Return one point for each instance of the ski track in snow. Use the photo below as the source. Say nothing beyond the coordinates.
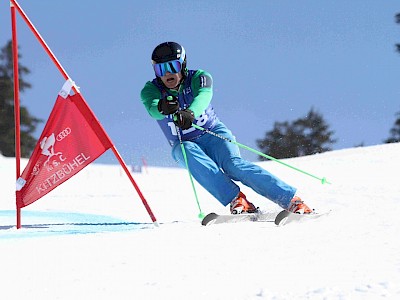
(91, 238)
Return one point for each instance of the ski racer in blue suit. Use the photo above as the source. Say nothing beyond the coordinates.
(177, 98)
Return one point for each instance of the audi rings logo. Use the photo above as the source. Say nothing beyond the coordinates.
(63, 134)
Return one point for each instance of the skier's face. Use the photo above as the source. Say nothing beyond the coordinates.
(171, 81)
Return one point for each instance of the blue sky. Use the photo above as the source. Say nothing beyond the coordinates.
(271, 61)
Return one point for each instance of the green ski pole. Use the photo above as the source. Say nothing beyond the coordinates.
(201, 214)
(323, 180)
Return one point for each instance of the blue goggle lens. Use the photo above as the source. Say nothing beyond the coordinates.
(173, 67)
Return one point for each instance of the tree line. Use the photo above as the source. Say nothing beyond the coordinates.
(7, 124)
(308, 135)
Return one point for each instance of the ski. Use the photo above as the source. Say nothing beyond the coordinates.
(213, 218)
(282, 218)
(285, 217)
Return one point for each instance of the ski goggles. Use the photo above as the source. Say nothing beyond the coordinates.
(173, 67)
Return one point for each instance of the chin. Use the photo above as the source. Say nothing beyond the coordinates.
(171, 85)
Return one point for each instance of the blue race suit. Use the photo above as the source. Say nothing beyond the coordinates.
(214, 162)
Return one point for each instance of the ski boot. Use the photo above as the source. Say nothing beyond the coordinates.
(241, 205)
(298, 206)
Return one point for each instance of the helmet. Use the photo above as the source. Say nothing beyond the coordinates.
(169, 51)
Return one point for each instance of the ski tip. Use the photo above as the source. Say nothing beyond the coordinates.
(207, 220)
(281, 218)
(287, 217)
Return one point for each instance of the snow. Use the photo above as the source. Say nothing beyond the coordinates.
(91, 238)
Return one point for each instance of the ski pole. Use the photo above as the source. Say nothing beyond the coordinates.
(323, 180)
(201, 214)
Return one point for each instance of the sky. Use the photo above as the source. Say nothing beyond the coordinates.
(271, 61)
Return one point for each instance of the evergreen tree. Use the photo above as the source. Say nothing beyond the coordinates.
(7, 124)
(398, 22)
(395, 131)
(305, 136)
(281, 142)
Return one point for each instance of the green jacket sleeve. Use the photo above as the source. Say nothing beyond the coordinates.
(150, 96)
(202, 92)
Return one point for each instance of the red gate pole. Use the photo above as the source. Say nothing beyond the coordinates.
(41, 41)
(16, 108)
(66, 77)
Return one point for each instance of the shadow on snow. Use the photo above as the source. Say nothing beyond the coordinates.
(61, 223)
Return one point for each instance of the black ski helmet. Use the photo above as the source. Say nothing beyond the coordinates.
(169, 51)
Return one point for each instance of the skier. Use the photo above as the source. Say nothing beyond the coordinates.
(177, 98)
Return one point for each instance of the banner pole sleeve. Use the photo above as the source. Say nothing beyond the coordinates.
(17, 117)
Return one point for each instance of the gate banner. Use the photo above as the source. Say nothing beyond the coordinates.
(71, 140)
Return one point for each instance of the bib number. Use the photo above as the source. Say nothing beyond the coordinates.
(199, 121)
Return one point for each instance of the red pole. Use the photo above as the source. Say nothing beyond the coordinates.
(122, 163)
(66, 77)
(41, 41)
(16, 107)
